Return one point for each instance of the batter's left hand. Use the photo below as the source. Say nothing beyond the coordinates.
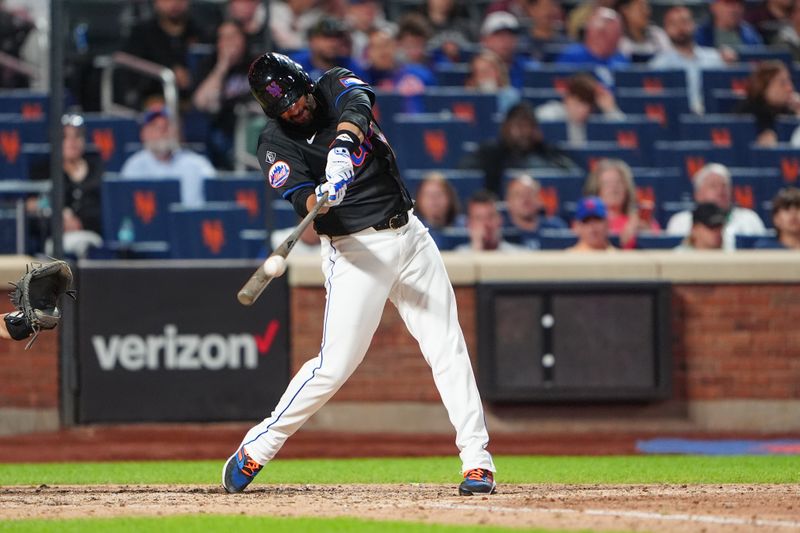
(340, 166)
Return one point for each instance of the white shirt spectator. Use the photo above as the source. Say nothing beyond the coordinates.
(189, 167)
(741, 221)
(657, 41)
(704, 57)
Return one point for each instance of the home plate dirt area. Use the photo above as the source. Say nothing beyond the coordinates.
(658, 508)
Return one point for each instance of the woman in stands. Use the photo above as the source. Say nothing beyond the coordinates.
(770, 94)
(488, 74)
(612, 181)
(640, 38)
(437, 206)
(83, 175)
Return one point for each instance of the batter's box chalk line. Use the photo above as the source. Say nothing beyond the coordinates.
(705, 519)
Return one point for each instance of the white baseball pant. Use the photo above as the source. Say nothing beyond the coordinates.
(362, 270)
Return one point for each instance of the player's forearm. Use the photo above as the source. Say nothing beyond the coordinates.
(352, 128)
(311, 201)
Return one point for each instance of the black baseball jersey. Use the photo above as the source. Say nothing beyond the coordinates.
(293, 158)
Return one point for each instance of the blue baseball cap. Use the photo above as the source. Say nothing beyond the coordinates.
(590, 207)
(153, 114)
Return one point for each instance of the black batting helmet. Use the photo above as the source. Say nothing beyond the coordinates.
(277, 82)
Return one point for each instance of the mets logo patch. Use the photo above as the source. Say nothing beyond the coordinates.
(349, 82)
(278, 174)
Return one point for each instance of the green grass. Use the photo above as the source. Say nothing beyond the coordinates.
(511, 469)
(226, 524)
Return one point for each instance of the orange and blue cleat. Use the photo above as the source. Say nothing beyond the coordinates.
(477, 481)
(239, 471)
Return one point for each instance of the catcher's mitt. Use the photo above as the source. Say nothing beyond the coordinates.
(36, 296)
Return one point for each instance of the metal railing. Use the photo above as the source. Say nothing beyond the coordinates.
(118, 60)
(17, 65)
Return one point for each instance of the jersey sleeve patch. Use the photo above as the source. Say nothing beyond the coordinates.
(278, 174)
(351, 82)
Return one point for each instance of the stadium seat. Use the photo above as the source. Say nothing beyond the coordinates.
(554, 131)
(431, 140)
(657, 242)
(747, 242)
(652, 81)
(109, 136)
(754, 189)
(537, 97)
(451, 74)
(212, 231)
(587, 155)
(690, 156)
(30, 105)
(247, 190)
(550, 76)
(637, 132)
(282, 214)
(737, 132)
(447, 239)
(756, 54)
(256, 243)
(785, 128)
(479, 109)
(725, 100)
(784, 158)
(661, 192)
(560, 194)
(733, 77)
(143, 202)
(664, 107)
(557, 239)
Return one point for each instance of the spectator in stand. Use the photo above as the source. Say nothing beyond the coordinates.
(726, 26)
(786, 219)
(437, 206)
(712, 183)
(499, 35)
(363, 18)
(515, 7)
(583, 97)
(686, 54)
(224, 85)
(162, 157)
(413, 35)
(770, 94)
(640, 36)
(386, 72)
(579, 16)
(164, 39)
(289, 22)
(328, 47)
(251, 16)
(83, 176)
(453, 31)
(485, 226)
(789, 34)
(436, 203)
(591, 226)
(488, 74)
(600, 46)
(612, 181)
(526, 212)
(706, 232)
(769, 17)
(546, 28)
(520, 144)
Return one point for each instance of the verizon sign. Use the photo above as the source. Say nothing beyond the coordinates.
(181, 348)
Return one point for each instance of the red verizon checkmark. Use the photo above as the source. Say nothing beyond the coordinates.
(264, 342)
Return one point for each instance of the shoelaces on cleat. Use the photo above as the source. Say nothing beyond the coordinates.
(476, 474)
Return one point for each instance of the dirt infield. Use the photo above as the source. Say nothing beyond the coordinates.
(658, 508)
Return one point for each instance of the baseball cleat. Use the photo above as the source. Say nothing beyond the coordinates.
(477, 481)
(239, 471)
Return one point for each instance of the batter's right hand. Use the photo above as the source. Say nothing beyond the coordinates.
(334, 190)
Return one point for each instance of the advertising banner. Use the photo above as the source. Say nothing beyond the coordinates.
(168, 341)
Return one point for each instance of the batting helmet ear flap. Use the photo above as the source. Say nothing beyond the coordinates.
(276, 82)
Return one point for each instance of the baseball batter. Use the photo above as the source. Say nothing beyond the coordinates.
(321, 140)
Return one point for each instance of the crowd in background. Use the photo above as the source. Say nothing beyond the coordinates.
(506, 38)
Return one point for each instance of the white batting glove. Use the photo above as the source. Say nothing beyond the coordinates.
(334, 190)
(339, 165)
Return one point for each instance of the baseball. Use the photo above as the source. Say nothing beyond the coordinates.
(274, 266)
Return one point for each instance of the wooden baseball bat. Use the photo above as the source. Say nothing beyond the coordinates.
(251, 290)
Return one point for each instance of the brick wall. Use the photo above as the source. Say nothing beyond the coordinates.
(28, 379)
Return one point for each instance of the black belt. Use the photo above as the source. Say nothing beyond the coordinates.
(393, 222)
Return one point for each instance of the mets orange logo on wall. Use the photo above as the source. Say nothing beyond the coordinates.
(435, 144)
(103, 138)
(10, 145)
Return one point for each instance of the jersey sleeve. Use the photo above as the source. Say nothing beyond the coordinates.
(284, 168)
(350, 96)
